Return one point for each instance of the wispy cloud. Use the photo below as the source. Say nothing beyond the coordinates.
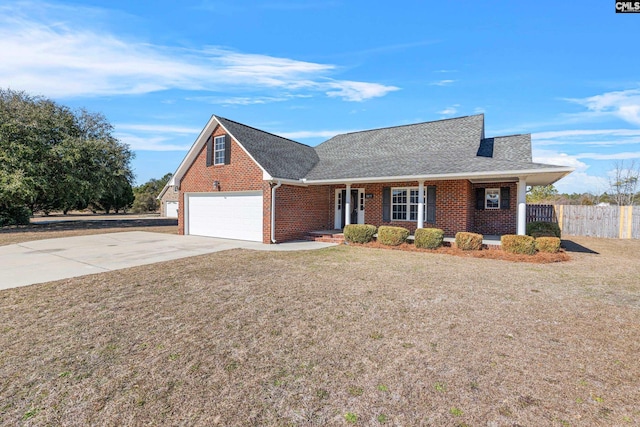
(624, 104)
(150, 143)
(449, 111)
(610, 156)
(180, 130)
(58, 55)
(579, 181)
(446, 82)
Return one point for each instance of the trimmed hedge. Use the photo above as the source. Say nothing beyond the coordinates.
(469, 241)
(518, 244)
(359, 233)
(392, 236)
(543, 229)
(428, 238)
(548, 244)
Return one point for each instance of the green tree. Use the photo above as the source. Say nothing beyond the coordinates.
(540, 194)
(52, 158)
(147, 193)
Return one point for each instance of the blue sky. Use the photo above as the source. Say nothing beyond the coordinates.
(567, 72)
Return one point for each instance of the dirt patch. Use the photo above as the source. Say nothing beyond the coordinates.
(341, 336)
(538, 258)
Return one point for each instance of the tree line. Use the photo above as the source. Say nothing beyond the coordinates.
(624, 182)
(53, 158)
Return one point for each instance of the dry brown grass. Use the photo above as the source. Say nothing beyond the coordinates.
(263, 338)
(83, 227)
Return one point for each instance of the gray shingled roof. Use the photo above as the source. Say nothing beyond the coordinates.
(451, 146)
(280, 157)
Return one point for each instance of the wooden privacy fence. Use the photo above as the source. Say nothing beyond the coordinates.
(622, 222)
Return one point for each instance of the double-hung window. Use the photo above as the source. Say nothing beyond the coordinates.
(492, 198)
(218, 150)
(404, 204)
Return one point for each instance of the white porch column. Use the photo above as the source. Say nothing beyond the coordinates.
(347, 206)
(420, 204)
(522, 206)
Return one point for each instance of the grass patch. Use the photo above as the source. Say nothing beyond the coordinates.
(190, 341)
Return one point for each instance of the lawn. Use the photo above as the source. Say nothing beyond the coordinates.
(340, 336)
(83, 227)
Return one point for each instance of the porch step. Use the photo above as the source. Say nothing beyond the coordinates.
(326, 236)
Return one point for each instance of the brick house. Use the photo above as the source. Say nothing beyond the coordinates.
(239, 182)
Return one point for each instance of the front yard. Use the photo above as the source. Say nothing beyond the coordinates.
(341, 336)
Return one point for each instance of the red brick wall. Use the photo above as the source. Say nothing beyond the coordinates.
(497, 221)
(241, 174)
(302, 209)
(453, 212)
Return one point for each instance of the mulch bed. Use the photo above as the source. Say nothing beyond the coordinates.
(539, 258)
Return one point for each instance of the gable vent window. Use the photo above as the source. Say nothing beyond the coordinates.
(219, 150)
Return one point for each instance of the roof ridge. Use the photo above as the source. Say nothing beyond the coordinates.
(507, 136)
(263, 131)
(409, 124)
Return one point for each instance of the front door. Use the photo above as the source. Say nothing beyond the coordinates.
(357, 207)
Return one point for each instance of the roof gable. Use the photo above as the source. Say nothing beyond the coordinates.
(280, 157)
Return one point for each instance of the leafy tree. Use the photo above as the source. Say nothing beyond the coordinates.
(540, 194)
(147, 193)
(52, 158)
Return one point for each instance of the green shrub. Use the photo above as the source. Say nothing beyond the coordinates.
(548, 244)
(429, 238)
(518, 244)
(468, 241)
(359, 233)
(14, 215)
(543, 229)
(392, 236)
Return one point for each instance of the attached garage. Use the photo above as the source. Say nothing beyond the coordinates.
(232, 215)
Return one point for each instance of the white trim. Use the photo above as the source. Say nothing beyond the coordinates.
(421, 213)
(496, 190)
(338, 205)
(508, 175)
(521, 219)
(200, 142)
(216, 150)
(424, 213)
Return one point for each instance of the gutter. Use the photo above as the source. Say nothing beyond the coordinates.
(273, 211)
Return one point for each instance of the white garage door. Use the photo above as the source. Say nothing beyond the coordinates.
(171, 209)
(225, 215)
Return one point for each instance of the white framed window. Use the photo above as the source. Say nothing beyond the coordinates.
(404, 204)
(492, 198)
(218, 150)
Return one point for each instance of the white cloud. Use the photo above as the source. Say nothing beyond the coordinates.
(611, 156)
(149, 143)
(624, 104)
(446, 82)
(357, 91)
(158, 128)
(585, 132)
(579, 181)
(449, 111)
(56, 53)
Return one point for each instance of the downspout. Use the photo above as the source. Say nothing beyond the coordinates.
(273, 211)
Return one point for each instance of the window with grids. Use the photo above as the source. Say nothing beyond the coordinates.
(218, 150)
(492, 198)
(404, 204)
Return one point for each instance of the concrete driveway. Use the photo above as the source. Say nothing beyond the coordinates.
(54, 259)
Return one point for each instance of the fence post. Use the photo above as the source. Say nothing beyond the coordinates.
(560, 213)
